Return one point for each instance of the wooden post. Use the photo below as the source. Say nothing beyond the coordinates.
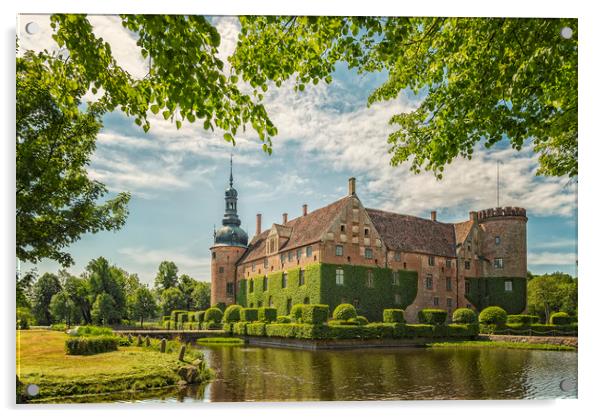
(163, 344)
(130, 339)
(139, 340)
(147, 341)
(182, 352)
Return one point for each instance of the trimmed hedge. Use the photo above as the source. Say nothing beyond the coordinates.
(362, 320)
(560, 318)
(92, 330)
(232, 313)
(533, 329)
(91, 345)
(522, 319)
(249, 314)
(240, 328)
(296, 312)
(283, 319)
(256, 329)
(464, 316)
(344, 312)
(493, 315)
(266, 314)
(393, 316)
(314, 314)
(213, 315)
(432, 316)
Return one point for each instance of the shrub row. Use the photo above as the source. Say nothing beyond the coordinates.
(533, 329)
(432, 316)
(91, 345)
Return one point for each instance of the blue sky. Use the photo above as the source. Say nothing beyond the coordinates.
(326, 134)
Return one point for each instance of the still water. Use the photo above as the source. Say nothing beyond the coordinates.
(277, 374)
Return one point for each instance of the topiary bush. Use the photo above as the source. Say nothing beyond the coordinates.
(393, 316)
(361, 320)
(493, 315)
(314, 314)
(92, 330)
(91, 345)
(522, 319)
(266, 314)
(432, 316)
(344, 312)
(560, 318)
(296, 312)
(464, 316)
(213, 315)
(282, 319)
(232, 313)
(249, 314)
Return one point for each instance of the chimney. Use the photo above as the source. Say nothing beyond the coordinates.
(472, 216)
(284, 218)
(305, 209)
(352, 186)
(433, 215)
(258, 225)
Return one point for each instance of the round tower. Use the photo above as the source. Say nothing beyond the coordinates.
(503, 242)
(229, 244)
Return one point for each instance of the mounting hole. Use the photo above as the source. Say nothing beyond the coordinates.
(568, 385)
(566, 32)
(33, 390)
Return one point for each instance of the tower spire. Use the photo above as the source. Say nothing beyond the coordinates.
(231, 178)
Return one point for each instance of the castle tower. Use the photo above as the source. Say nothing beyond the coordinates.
(229, 244)
(504, 242)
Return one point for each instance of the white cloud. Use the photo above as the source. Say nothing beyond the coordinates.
(551, 258)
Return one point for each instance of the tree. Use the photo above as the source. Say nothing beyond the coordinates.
(23, 288)
(552, 293)
(187, 285)
(43, 290)
(172, 299)
(201, 296)
(478, 79)
(103, 310)
(56, 201)
(64, 309)
(185, 79)
(78, 290)
(104, 278)
(167, 276)
(143, 304)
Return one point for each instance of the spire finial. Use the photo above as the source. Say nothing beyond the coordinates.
(231, 178)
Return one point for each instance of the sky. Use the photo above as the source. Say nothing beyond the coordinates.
(326, 135)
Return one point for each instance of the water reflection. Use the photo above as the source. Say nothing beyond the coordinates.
(274, 374)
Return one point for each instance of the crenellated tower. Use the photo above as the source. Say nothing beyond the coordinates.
(229, 244)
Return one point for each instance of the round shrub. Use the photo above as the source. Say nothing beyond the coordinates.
(432, 316)
(213, 315)
(393, 316)
(344, 312)
(493, 315)
(296, 312)
(560, 318)
(464, 316)
(232, 313)
(361, 320)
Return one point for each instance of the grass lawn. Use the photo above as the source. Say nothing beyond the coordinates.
(41, 360)
(501, 344)
(220, 341)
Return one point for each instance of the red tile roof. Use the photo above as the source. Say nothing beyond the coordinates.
(306, 230)
(412, 234)
(462, 229)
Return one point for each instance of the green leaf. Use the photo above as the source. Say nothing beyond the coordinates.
(228, 137)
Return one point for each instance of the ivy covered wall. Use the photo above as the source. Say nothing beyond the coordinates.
(320, 287)
(491, 291)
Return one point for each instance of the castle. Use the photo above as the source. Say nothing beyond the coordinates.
(346, 253)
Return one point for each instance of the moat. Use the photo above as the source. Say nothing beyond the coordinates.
(277, 374)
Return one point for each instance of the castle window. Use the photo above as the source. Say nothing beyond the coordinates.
(230, 288)
(306, 300)
(251, 285)
(497, 240)
(290, 256)
(449, 302)
(431, 260)
(448, 263)
(221, 269)
(338, 250)
(395, 278)
(467, 265)
(469, 246)
(265, 283)
(397, 256)
(213, 254)
(299, 252)
(370, 279)
(366, 232)
(404, 266)
(308, 251)
(466, 287)
(342, 228)
(498, 263)
(448, 283)
(301, 277)
(436, 301)
(429, 281)
(397, 298)
(340, 277)
(508, 285)
(368, 253)
(284, 279)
